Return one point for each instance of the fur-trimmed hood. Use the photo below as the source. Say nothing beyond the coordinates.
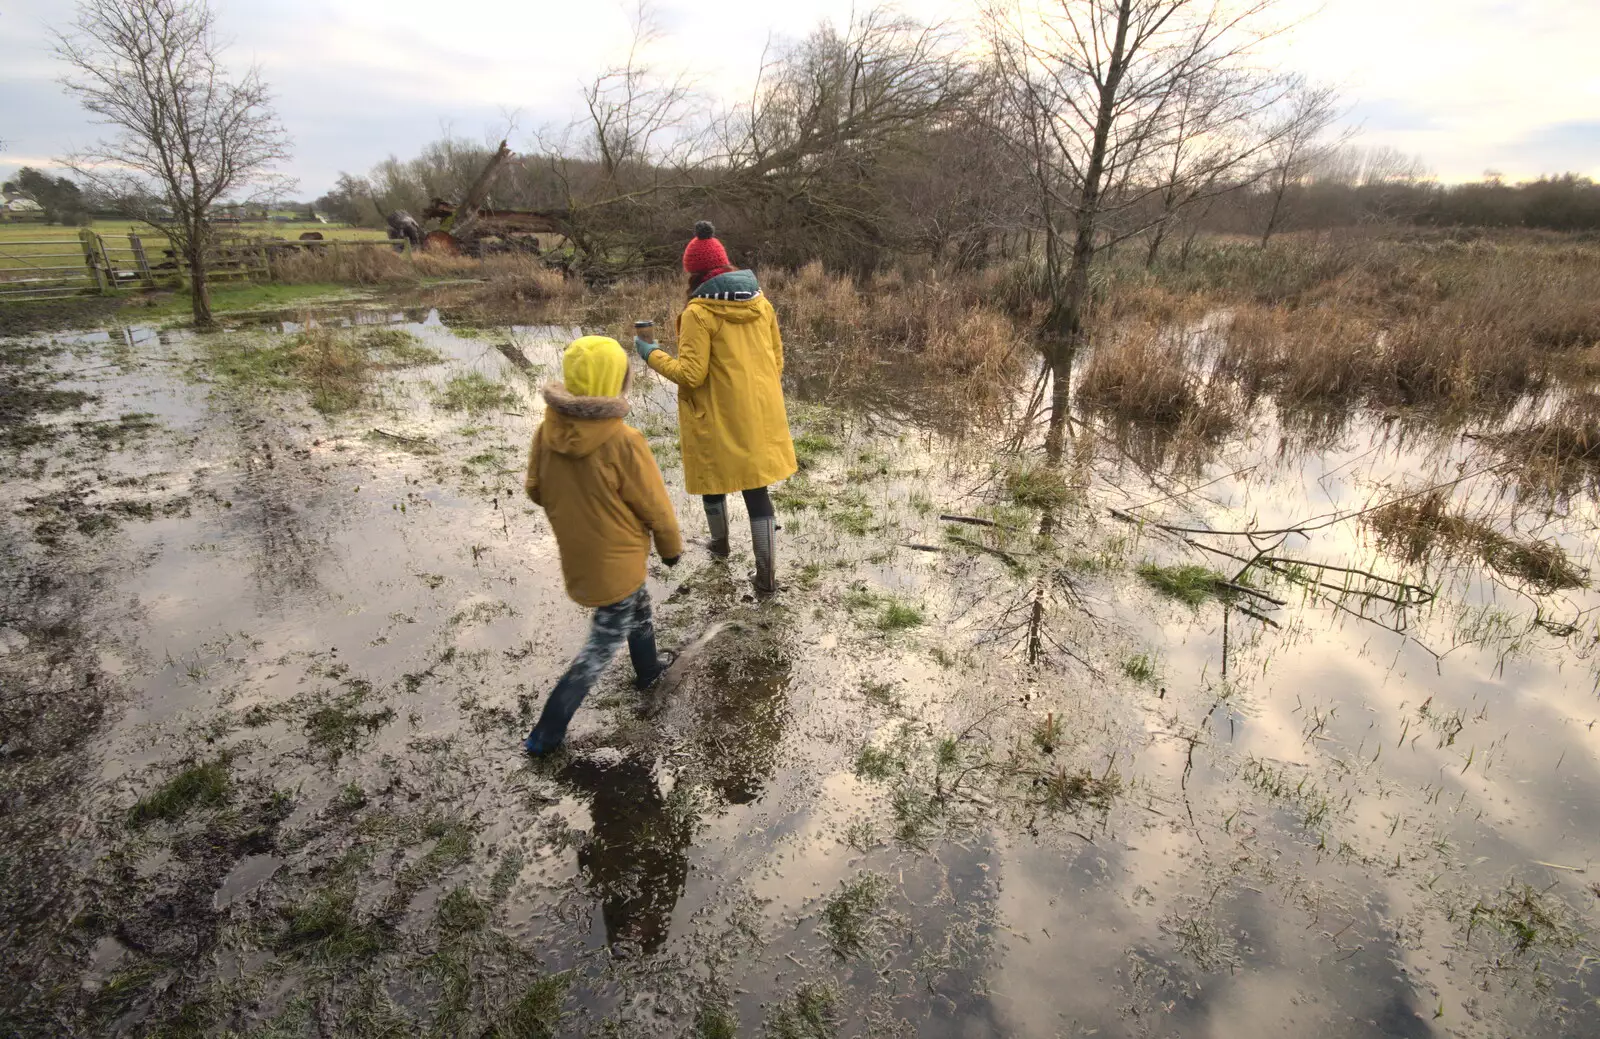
(575, 425)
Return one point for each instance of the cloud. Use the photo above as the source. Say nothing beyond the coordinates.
(1564, 147)
(1465, 83)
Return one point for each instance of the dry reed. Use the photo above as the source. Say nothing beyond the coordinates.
(1154, 375)
(1417, 527)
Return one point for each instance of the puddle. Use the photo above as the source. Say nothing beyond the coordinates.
(955, 781)
(248, 874)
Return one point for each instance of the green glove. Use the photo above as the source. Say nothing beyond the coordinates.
(645, 348)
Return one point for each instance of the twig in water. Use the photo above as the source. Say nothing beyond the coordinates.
(1253, 615)
(403, 439)
(1247, 590)
(976, 521)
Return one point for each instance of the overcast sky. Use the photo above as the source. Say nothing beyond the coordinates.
(1468, 85)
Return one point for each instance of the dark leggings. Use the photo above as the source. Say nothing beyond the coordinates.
(757, 502)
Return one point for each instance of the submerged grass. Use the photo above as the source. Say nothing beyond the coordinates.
(850, 916)
(1140, 667)
(810, 1012)
(204, 783)
(334, 366)
(337, 724)
(1190, 583)
(1416, 527)
(476, 394)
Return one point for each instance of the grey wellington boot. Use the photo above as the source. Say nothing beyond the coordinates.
(717, 521)
(762, 537)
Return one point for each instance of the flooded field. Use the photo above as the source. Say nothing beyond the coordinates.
(1284, 731)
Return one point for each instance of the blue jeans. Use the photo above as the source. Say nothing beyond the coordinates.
(626, 621)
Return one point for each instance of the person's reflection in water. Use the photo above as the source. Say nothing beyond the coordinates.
(635, 857)
(743, 706)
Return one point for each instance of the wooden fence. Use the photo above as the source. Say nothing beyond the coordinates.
(97, 263)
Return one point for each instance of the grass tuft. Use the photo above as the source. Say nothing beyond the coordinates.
(326, 925)
(716, 1021)
(476, 394)
(1071, 791)
(809, 1013)
(1191, 583)
(204, 783)
(1037, 487)
(460, 912)
(851, 915)
(536, 1014)
(898, 616)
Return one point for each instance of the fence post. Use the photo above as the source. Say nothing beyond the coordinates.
(137, 246)
(90, 242)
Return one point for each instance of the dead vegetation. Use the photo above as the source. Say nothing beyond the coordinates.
(1412, 323)
(1152, 374)
(369, 265)
(1559, 452)
(334, 365)
(1415, 528)
(1315, 324)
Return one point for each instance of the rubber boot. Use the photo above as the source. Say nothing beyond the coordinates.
(762, 537)
(717, 521)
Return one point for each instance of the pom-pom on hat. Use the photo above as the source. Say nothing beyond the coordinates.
(704, 254)
(594, 366)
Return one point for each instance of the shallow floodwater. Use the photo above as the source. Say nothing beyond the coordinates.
(957, 780)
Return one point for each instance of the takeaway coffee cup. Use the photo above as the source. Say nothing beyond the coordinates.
(645, 330)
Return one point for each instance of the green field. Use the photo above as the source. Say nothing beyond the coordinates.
(29, 248)
(34, 231)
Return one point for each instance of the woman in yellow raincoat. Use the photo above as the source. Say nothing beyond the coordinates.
(731, 419)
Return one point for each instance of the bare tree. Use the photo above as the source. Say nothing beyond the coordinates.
(1300, 141)
(1214, 139)
(826, 120)
(631, 108)
(187, 134)
(1096, 89)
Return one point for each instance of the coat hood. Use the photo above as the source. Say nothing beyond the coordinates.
(732, 297)
(575, 425)
(734, 285)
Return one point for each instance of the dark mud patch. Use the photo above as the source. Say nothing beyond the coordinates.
(83, 508)
(20, 319)
(28, 392)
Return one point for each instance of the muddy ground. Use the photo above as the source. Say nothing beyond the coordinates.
(266, 667)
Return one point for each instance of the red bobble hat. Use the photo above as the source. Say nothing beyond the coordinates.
(704, 254)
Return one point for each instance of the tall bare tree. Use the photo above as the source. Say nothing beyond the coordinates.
(1097, 89)
(187, 134)
(1301, 140)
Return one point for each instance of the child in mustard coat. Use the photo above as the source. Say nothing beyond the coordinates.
(602, 491)
(731, 418)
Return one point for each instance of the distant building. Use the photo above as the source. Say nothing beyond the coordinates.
(22, 205)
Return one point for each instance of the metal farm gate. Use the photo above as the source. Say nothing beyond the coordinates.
(97, 263)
